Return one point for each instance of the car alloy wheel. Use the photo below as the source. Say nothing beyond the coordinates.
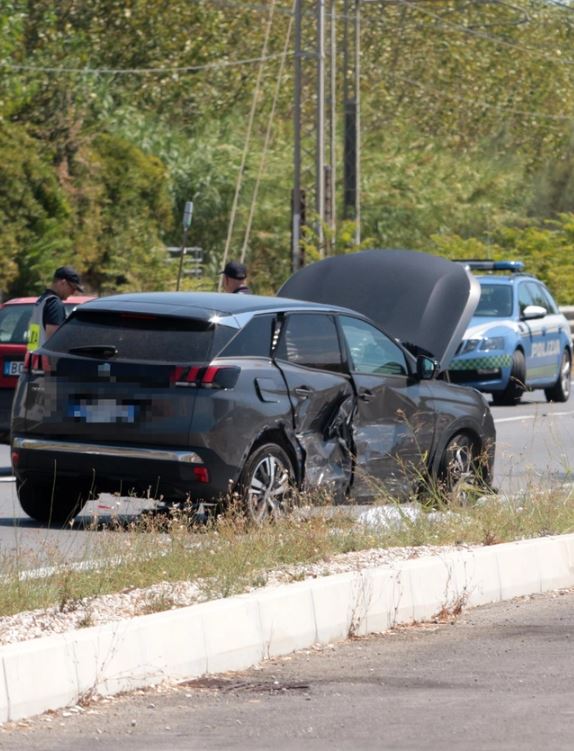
(560, 392)
(267, 482)
(516, 382)
(460, 476)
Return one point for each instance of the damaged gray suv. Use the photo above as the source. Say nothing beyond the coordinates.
(195, 396)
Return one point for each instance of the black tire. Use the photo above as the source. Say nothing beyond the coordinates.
(266, 483)
(55, 505)
(460, 475)
(516, 383)
(560, 392)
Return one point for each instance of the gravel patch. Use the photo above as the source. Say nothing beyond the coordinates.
(104, 609)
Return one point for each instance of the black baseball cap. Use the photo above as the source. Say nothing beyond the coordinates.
(234, 270)
(70, 275)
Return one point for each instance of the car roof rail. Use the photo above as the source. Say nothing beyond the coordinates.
(486, 265)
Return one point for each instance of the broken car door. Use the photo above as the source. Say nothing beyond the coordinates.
(308, 354)
(392, 429)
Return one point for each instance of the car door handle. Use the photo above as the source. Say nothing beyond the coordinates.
(366, 395)
(303, 391)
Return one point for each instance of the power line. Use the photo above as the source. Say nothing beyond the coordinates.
(258, 7)
(254, 102)
(279, 9)
(562, 6)
(9, 67)
(267, 138)
(487, 105)
(446, 25)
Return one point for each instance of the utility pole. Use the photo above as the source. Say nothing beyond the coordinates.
(357, 122)
(331, 169)
(308, 124)
(315, 163)
(320, 148)
(296, 225)
(352, 124)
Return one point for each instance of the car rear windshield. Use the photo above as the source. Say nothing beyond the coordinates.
(138, 336)
(14, 321)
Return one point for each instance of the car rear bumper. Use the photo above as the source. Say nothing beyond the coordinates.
(169, 473)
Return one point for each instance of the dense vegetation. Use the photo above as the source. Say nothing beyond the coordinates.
(113, 113)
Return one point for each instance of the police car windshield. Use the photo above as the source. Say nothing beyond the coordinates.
(495, 301)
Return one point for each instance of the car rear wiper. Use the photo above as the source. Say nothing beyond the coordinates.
(95, 350)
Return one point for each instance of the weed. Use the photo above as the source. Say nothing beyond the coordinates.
(227, 555)
(86, 620)
(450, 612)
(156, 602)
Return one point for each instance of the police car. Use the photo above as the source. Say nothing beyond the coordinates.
(517, 339)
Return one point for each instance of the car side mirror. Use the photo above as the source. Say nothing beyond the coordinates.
(531, 312)
(426, 367)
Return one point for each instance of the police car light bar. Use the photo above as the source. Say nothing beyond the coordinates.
(512, 266)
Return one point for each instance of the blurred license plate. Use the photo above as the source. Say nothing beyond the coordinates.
(13, 367)
(103, 411)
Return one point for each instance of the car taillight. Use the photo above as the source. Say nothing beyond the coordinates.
(184, 376)
(201, 474)
(35, 363)
(209, 377)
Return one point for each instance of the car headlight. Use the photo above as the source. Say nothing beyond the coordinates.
(489, 343)
(469, 345)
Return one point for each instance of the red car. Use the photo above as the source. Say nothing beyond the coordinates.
(14, 318)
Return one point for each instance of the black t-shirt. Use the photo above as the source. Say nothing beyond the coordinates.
(54, 313)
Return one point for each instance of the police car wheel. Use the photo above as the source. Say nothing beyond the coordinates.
(516, 383)
(560, 392)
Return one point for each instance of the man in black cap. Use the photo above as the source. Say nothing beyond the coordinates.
(49, 311)
(235, 278)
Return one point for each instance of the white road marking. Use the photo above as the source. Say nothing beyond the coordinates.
(533, 417)
(515, 419)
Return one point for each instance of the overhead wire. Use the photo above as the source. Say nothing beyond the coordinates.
(259, 7)
(412, 4)
(247, 138)
(267, 138)
(487, 105)
(562, 6)
(541, 52)
(139, 71)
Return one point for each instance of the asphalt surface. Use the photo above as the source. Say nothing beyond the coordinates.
(498, 677)
(535, 446)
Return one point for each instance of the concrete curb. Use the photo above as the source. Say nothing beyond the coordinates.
(239, 632)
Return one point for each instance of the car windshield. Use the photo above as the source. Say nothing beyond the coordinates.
(495, 301)
(14, 321)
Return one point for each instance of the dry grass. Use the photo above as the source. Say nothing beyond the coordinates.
(227, 556)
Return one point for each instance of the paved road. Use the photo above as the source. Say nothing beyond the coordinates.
(535, 445)
(500, 678)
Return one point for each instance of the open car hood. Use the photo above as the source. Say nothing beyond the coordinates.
(424, 301)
